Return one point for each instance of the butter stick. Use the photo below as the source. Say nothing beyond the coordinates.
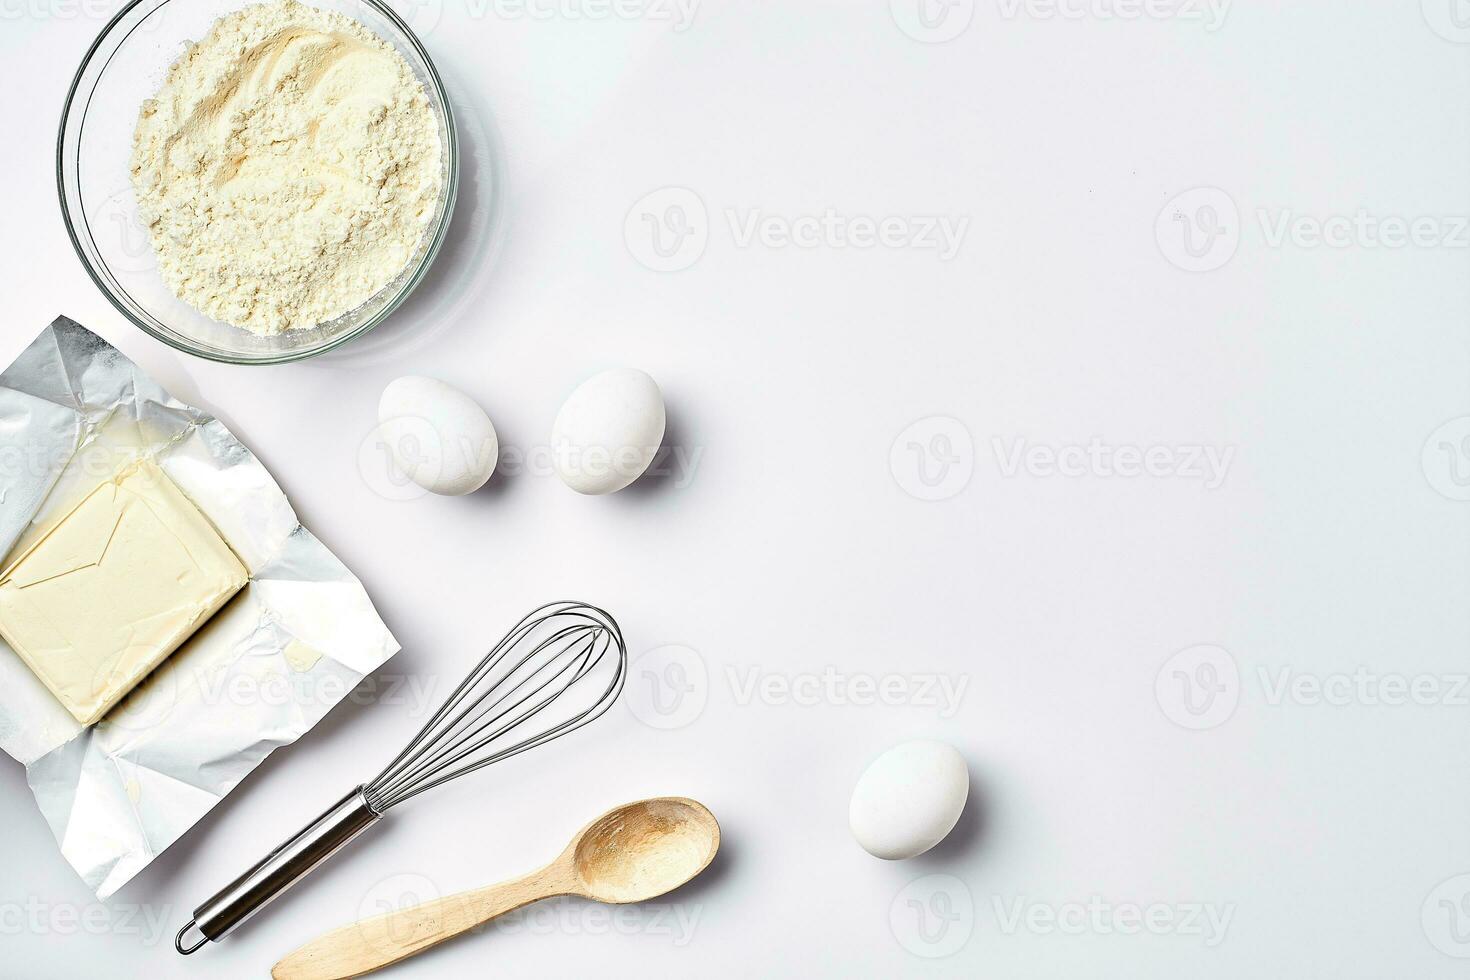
(113, 588)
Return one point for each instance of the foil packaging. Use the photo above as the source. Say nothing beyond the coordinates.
(256, 676)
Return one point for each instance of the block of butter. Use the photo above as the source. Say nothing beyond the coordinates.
(114, 587)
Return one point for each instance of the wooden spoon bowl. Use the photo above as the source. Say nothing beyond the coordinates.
(643, 850)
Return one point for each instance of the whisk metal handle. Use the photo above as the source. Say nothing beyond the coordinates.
(279, 870)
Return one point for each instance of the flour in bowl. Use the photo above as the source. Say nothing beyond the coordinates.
(287, 169)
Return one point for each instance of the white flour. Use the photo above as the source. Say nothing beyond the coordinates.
(287, 168)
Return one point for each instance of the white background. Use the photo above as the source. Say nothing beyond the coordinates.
(1330, 834)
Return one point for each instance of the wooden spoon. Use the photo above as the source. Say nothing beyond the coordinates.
(634, 853)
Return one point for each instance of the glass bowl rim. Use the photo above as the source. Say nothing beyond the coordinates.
(440, 232)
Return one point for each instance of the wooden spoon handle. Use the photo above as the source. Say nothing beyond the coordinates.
(371, 944)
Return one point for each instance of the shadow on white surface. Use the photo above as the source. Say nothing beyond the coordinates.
(666, 473)
(969, 836)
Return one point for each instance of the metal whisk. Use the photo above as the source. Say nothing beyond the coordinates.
(559, 668)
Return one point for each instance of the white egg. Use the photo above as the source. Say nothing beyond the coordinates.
(608, 431)
(909, 799)
(438, 437)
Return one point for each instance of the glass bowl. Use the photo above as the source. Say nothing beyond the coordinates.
(127, 64)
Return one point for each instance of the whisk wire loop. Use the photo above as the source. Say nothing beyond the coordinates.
(557, 652)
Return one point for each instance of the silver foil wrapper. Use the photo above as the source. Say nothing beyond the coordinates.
(258, 675)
